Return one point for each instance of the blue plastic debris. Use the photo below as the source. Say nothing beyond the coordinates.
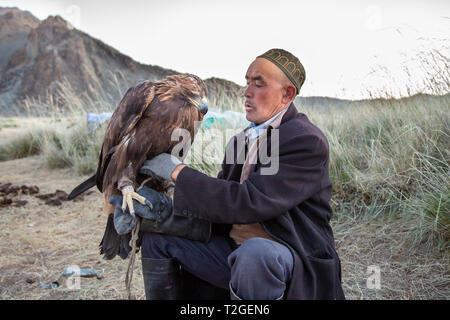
(53, 285)
(94, 120)
(227, 119)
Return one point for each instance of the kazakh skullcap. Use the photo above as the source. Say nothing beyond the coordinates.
(289, 64)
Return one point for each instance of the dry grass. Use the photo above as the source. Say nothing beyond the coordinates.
(38, 241)
(405, 273)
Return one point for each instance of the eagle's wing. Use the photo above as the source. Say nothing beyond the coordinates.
(124, 119)
(152, 135)
(140, 128)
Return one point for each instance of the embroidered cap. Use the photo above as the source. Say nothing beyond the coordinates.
(289, 64)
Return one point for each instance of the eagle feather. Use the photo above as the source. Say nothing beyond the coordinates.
(141, 128)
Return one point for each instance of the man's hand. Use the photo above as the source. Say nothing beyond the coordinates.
(176, 171)
(164, 166)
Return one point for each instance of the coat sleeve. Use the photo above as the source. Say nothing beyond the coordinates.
(260, 197)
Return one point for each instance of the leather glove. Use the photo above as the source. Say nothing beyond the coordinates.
(123, 222)
(161, 166)
(161, 207)
(159, 218)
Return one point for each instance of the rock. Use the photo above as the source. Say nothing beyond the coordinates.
(4, 202)
(29, 189)
(53, 199)
(61, 195)
(19, 203)
(4, 187)
(53, 202)
(9, 189)
(44, 196)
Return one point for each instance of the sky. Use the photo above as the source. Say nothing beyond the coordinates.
(350, 49)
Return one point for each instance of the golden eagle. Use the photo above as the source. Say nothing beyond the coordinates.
(139, 129)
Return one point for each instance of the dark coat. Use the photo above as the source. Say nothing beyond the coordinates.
(293, 205)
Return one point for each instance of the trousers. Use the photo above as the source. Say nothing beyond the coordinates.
(258, 269)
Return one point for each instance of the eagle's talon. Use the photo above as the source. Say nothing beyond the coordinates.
(124, 203)
(128, 196)
(139, 198)
(149, 204)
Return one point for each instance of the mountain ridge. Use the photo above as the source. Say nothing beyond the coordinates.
(53, 52)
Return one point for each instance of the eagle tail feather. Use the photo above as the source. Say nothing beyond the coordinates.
(89, 183)
(125, 248)
(112, 243)
(109, 246)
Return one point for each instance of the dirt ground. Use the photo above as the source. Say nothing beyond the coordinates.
(39, 240)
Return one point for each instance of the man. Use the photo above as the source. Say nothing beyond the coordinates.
(271, 236)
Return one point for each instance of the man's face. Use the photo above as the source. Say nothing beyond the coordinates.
(264, 92)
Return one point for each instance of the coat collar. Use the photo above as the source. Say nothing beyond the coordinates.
(290, 113)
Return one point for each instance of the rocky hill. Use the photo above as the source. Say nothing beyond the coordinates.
(36, 57)
(15, 25)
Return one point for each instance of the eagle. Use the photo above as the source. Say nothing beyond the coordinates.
(141, 128)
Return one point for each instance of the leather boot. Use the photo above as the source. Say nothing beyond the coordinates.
(161, 279)
(198, 289)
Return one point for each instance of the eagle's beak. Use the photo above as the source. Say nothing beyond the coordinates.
(202, 105)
